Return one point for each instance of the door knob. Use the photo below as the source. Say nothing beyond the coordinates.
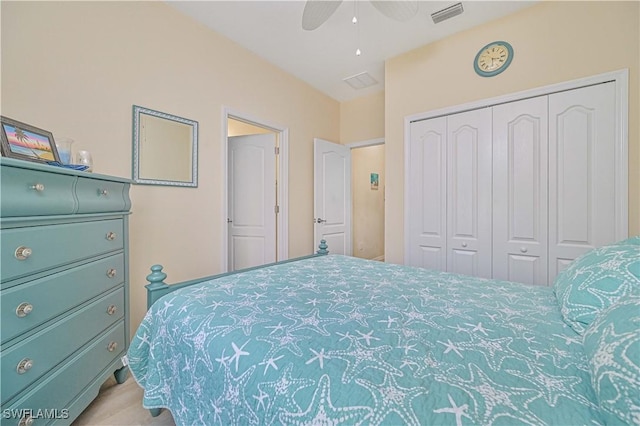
(320, 220)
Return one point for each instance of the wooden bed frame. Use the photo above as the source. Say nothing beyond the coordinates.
(158, 288)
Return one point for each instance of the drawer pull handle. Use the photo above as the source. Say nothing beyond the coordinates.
(26, 421)
(464, 244)
(111, 236)
(22, 253)
(111, 273)
(112, 309)
(38, 187)
(112, 346)
(24, 365)
(103, 192)
(523, 249)
(24, 309)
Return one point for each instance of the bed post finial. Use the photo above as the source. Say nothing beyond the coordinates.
(156, 277)
(323, 247)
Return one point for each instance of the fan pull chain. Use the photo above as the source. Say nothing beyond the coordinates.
(355, 22)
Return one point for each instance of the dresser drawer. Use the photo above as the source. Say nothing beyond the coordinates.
(50, 346)
(55, 245)
(71, 378)
(35, 193)
(28, 305)
(100, 196)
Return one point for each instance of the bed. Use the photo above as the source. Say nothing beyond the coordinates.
(331, 339)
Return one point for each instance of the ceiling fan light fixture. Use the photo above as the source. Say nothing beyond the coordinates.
(447, 13)
(361, 80)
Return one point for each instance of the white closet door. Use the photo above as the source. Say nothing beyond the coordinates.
(520, 159)
(469, 193)
(428, 194)
(582, 142)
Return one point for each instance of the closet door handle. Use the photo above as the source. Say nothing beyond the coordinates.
(320, 220)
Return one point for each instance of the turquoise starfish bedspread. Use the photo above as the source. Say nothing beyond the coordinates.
(340, 340)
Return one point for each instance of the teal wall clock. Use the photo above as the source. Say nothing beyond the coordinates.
(493, 58)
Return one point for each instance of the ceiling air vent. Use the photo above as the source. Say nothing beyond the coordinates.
(360, 81)
(449, 12)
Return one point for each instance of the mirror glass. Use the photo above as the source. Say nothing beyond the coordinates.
(165, 149)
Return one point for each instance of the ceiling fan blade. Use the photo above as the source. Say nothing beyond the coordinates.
(316, 12)
(400, 10)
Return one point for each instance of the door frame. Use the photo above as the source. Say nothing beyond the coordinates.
(348, 204)
(351, 146)
(621, 80)
(365, 144)
(282, 196)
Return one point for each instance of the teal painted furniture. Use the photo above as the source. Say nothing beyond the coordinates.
(64, 289)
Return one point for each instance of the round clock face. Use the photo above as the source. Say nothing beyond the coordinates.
(493, 58)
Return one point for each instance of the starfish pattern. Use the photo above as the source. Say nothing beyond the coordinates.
(459, 412)
(321, 410)
(389, 397)
(493, 400)
(360, 357)
(401, 345)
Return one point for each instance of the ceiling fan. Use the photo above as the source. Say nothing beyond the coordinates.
(316, 12)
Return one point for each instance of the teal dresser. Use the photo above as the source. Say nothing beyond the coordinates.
(64, 296)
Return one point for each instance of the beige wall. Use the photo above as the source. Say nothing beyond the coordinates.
(553, 42)
(240, 128)
(76, 69)
(368, 203)
(362, 119)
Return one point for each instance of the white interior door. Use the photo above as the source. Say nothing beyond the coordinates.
(520, 180)
(332, 196)
(427, 203)
(252, 200)
(582, 196)
(469, 160)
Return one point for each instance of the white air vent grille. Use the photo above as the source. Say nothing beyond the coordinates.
(449, 12)
(360, 81)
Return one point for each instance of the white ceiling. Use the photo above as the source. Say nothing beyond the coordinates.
(325, 56)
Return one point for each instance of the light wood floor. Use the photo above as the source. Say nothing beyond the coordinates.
(121, 405)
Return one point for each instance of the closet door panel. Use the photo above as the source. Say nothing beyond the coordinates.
(520, 180)
(427, 194)
(581, 172)
(469, 193)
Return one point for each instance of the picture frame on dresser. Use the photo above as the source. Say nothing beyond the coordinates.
(26, 142)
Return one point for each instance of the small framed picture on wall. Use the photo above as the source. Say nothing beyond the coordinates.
(375, 180)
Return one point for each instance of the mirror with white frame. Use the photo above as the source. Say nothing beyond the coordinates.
(165, 149)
